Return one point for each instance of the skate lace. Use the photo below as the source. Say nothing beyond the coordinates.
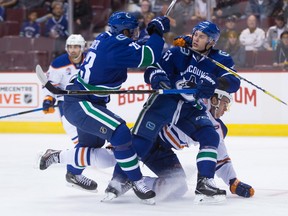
(141, 186)
(51, 159)
(83, 180)
(211, 183)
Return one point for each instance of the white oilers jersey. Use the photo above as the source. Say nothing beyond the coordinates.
(60, 73)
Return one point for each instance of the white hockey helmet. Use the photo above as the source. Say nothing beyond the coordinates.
(75, 39)
(221, 94)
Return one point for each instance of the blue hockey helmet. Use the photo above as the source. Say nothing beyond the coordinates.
(208, 28)
(119, 21)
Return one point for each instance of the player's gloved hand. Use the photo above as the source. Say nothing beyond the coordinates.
(159, 80)
(206, 86)
(223, 83)
(159, 25)
(48, 104)
(183, 41)
(240, 188)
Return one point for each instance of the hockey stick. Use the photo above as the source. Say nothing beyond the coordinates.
(170, 7)
(24, 112)
(237, 75)
(45, 82)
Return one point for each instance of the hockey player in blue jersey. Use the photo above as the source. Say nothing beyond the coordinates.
(60, 72)
(105, 67)
(162, 160)
(183, 68)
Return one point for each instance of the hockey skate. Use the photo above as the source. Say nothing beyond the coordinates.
(81, 182)
(207, 193)
(115, 189)
(143, 192)
(48, 158)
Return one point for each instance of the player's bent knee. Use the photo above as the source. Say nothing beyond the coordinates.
(121, 136)
(207, 136)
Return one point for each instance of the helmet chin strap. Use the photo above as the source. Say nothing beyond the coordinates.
(77, 58)
(216, 107)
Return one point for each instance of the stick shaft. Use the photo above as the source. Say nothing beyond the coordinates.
(22, 113)
(240, 77)
(170, 7)
(45, 82)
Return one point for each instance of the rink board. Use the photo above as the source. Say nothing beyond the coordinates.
(253, 112)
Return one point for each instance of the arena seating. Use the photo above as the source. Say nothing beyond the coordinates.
(23, 54)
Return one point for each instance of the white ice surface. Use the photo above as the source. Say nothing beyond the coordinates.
(259, 161)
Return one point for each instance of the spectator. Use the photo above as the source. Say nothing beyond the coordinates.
(143, 36)
(182, 13)
(226, 8)
(262, 9)
(274, 32)
(145, 7)
(144, 10)
(201, 8)
(157, 6)
(284, 11)
(281, 53)
(8, 3)
(235, 49)
(57, 25)
(30, 4)
(5, 4)
(82, 18)
(2, 14)
(252, 37)
(133, 6)
(230, 24)
(30, 28)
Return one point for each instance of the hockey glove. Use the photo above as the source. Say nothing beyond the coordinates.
(159, 80)
(159, 25)
(206, 86)
(240, 188)
(183, 41)
(223, 83)
(48, 104)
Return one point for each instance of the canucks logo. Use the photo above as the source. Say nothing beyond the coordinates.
(150, 125)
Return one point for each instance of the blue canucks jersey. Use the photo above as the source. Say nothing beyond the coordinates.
(107, 60)
(58, 27)
(185, 68)
(30, 30)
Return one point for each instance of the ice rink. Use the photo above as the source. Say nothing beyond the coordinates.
(24, 190)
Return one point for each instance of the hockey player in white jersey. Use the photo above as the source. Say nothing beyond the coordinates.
(162, 160)
(61, 71)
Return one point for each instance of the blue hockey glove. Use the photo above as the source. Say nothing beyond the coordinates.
(206, 86)
(240, 188)
(48, 104)
(183, 41)
(159, 80)
(159, 25)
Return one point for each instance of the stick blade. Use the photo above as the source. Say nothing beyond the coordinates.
(41, 75)
(45, 82)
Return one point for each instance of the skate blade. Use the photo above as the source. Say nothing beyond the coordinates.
(109, 197)
(201, 199)
(150, 201)
(71, 185)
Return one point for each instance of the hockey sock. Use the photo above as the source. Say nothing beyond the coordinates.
(125, 154)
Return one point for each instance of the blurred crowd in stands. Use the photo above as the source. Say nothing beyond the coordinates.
(253, 32)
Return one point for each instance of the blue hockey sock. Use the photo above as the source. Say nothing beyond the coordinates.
(125, 154)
